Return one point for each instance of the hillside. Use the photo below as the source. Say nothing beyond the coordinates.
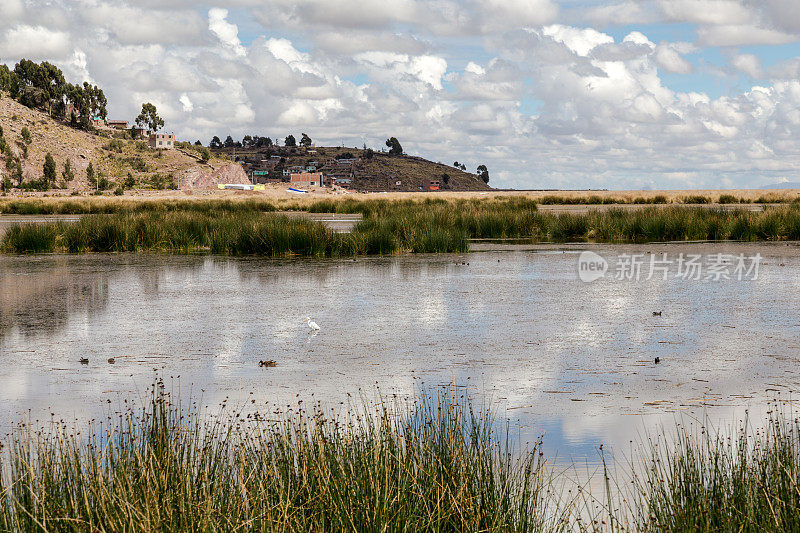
(122, 161)
(371, 171)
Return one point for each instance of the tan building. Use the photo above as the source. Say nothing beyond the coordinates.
(307, 179)
(118, 124)
(162, 141)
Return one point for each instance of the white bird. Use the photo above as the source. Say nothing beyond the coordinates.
(311, 324)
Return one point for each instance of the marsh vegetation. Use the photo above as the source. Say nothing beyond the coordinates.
(437, 463)
(253, 228)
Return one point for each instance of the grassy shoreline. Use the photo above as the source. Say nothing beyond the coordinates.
(434, 464)
(388, 227)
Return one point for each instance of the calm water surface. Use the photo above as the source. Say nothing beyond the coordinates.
(556, 356)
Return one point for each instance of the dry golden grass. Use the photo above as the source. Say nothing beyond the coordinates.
(278, 195)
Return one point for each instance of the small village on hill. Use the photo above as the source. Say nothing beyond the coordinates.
(58, 136)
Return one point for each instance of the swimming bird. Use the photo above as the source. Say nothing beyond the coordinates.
(657, 313)
(84, 360)
(658, 360)
(111, 360)
(311, 324)
(267, 364)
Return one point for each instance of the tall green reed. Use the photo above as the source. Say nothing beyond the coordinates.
(713, 481)
(434, 465)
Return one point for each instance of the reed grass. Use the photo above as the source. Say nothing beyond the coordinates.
(395, 227)
(225, 233)
(85, 206)
(709, 481)
(434, 465)
(32, 238)
(437, 463)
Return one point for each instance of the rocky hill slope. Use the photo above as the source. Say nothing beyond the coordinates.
(114, 156)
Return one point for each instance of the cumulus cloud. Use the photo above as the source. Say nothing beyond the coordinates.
(133, 25)
(504, 13)
(36, 42)
(629, 12)
(748, 64)
(10, 11)
(227, 33)
(541, 89)
(717, 12)
(428, 69)
(741, 35)
(669, 57)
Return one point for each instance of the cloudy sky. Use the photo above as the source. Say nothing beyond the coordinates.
(547, 93)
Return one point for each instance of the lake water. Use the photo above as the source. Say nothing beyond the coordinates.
(571, 360)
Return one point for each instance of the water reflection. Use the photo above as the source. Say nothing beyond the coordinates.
(572, 360)
(37, 297)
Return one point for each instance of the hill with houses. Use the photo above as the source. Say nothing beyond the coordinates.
(108, 157)
(57, 135)
(349, 168)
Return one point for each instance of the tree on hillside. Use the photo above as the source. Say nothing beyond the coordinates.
(394, 146)
(68, 175)
(263, 141)
(8, 81)
(247, 141)
(198, 143)
(483, 173)
(18, 176)
(229, 142)
(51, 81)
(49, 170)
(149, 117)
(89, 102)
(215, 143)
(43, 85)
(205, 155)
(28, 75)
(5, 78)
(305, 140)
(290, 141)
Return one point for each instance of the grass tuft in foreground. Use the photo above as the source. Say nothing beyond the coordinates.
(747, 481)
(436, 465)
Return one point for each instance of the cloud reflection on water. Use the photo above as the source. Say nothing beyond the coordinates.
(569, 359)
